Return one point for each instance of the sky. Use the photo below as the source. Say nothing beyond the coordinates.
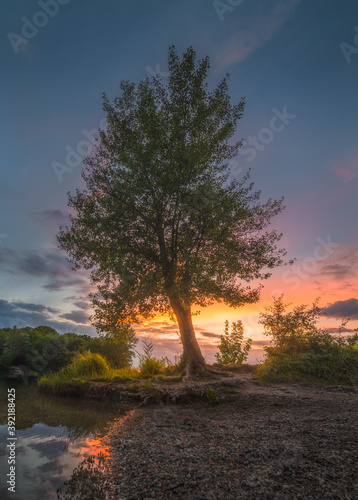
(296, 64)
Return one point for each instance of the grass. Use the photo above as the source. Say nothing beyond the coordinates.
(89, 367)
(84, 368)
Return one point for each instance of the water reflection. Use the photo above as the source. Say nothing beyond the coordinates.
(54, 435)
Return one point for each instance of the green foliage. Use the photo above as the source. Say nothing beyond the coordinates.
(159, 224)
(304, 353)
(118, 345)
(43, 350)
(74, 378)
(87, 365)
(231, 347)
(149, 365)
(212, 396)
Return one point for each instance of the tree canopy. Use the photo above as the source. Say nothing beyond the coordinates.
(160, 224)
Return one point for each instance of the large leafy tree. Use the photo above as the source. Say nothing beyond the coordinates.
(159, 223)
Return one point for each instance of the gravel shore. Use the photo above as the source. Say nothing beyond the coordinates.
(259, 442)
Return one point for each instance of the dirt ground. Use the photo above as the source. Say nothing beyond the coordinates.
(258, 442)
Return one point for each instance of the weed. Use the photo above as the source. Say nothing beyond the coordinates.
(212, 396)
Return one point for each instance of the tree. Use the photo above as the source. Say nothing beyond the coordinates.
(232, 348)
(159, 224)
(117, 345)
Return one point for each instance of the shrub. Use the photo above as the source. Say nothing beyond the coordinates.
(304, 353)
(87, 365)
(148, 364)
(231, 347)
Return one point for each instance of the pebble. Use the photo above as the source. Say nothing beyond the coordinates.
(263, 443)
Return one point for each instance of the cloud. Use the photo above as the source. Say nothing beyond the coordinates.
(210, 334)
(50, 217)
(347, 169)
(76, 316)
(343, 309)
(50, 265)
(25, 314)
(251, 34)
(338, 271)
(82, 304)
(35, 307)
(333, 329)
(338, 263)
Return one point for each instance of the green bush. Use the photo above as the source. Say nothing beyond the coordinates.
(148, 364)
(87, 365)
(232, 348)
(73, 379)
(44, 351)
(304, 353)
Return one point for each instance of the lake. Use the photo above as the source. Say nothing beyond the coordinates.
(53, 436)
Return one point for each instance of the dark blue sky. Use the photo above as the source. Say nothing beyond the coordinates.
(294, 59)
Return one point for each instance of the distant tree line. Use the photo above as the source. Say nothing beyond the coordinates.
(44, 350)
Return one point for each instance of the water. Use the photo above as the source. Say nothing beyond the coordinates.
(53, 436)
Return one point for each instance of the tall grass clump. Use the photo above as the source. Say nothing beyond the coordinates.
(72, 378)
(304, 353)
(87, 365)
(148, 364)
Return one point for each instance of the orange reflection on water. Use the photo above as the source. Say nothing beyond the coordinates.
(94, 447)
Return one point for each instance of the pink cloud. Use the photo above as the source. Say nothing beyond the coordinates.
(347, 170)
(254, 33)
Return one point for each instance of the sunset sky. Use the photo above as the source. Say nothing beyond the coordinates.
(296, 63)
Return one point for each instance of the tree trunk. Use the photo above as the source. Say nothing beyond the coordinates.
(194, 363)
